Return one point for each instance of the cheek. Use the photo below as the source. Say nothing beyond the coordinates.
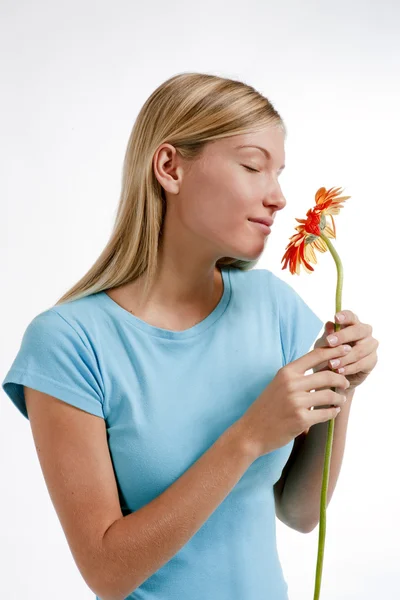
(218, 203)
(224, 217)
(231, 202)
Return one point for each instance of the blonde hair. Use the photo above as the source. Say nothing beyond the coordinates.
(187, 111)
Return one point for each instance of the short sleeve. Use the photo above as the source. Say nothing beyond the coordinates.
(55, 359)
(299, 324)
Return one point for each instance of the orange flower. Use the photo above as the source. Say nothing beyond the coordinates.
(314, 233)
(300, 250)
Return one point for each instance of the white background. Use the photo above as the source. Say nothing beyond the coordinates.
(74, 77)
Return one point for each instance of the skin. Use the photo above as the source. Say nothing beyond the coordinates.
(209, 202)
(362, 357)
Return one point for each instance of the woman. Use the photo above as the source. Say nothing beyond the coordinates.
(138, 381)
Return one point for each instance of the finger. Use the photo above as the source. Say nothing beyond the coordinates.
(322, 415)
(360, 350)
(330, 329)
(366, 364)
(316, 357)
(338, 325)
(323, 379)
(326, 399)
(324, 366)
(349, 317)
(351, 334)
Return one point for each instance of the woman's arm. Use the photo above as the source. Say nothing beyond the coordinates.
(139, 544)
(116, 553)
(301, 494)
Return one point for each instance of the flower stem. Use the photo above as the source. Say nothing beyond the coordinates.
(329, 441)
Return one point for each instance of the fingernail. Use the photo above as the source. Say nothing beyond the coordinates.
(340, 316)
(332, 339)
(346, 348)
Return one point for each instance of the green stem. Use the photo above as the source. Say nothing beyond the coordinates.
(329, 441)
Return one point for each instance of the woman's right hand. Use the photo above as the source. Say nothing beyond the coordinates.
(282, 411)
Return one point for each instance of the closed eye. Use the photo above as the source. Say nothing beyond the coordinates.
(250, 169)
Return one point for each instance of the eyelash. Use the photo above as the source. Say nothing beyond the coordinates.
(250, 169)
(254, 170)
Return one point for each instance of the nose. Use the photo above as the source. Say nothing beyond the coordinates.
(275, 197)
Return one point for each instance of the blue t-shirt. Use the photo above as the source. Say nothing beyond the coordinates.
(166, 396)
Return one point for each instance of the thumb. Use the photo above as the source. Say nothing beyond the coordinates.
(329, 327)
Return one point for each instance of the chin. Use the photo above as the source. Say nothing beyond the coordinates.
(250, 251)
(258, 249)
(256, 253)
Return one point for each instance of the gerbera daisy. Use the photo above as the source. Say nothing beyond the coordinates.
(300, 250)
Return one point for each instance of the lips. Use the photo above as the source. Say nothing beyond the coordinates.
(264, 220)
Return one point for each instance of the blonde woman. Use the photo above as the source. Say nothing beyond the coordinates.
(166, 390)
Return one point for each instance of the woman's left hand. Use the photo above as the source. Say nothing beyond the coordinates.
(361, 359)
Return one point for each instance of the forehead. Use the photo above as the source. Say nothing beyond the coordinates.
(268, 143)
(270, 138)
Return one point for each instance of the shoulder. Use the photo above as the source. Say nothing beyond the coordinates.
(264, 283)
(57, 357)
(260, 276)
(251, 279)
(49, 327)
(299, 323)
(77, 319)
(281, 287)
(63, 333)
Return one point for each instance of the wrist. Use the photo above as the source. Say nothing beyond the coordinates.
(243, 438)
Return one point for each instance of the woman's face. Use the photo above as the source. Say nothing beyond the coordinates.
(215, 196)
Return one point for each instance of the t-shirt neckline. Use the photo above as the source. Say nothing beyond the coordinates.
(215, 314)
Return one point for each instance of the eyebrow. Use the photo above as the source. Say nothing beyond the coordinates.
(264, 150)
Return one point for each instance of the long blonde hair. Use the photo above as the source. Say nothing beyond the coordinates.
(187, 111)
